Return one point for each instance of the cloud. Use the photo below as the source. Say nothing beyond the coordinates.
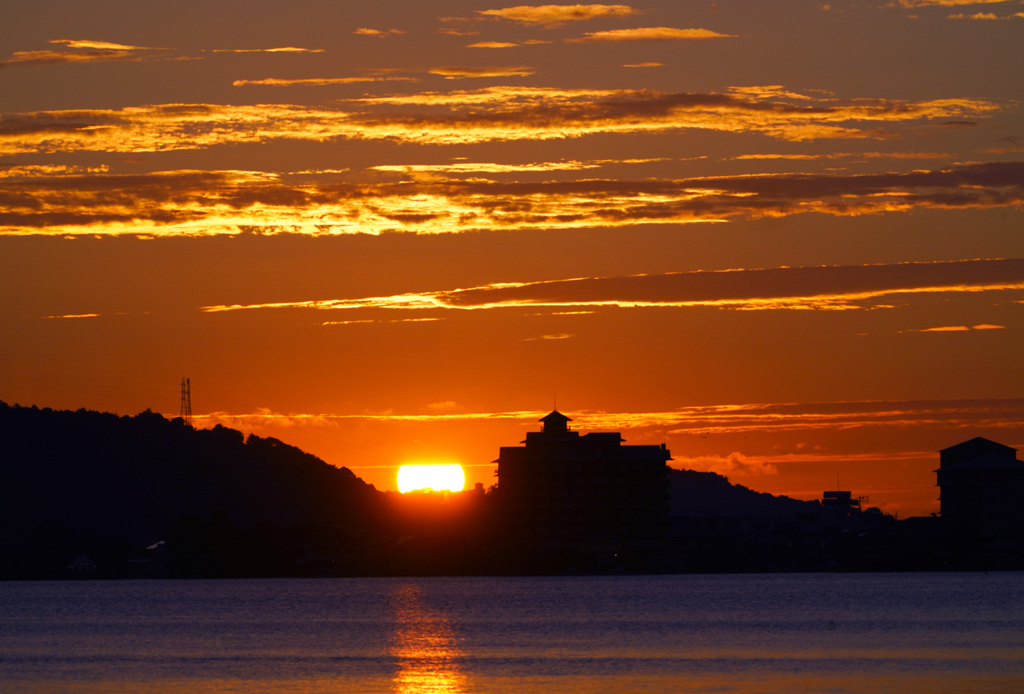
(98, 45)
(728, 466)
(467, 117)
(320, 81)
(943, 329)
(265, 416)
(82, 51)
(779, 288)
(849, 155)
(492, 167)
(377, 33)
(958, 328)
(377, 321)
(537, 113)
(88, 51)
(283, 49)
(557, 336)
(714, 420)
(806, 288)
(950, 3)
(30, 170)
(949, 415)
(556, 15)
(332, 202)
(493, 44)
(453, 72)
(649, 34)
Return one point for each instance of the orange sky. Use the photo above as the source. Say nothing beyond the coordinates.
(785, 239)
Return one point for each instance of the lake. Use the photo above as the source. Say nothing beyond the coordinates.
(899, 632)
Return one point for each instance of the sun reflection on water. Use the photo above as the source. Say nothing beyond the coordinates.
(424, 646)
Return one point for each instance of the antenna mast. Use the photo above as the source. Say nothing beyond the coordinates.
(186, 400)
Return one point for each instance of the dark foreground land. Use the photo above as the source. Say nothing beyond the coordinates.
(89, 494)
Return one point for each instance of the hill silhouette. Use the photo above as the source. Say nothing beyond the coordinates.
(708, 494)
(75, 478)
(227, 504)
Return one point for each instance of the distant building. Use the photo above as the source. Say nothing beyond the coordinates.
(585, 494)
(981, 490)
(840, 512)
(82, 566)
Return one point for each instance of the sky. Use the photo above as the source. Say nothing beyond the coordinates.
(784, 239)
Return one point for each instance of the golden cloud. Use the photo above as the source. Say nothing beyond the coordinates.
(949, 3)
(453, 72)
(492, 44)
(815, 288)
(705, 420)
(650, 34)
(487, 167)
(327, 202)
(539, 113)
(98, 45)
(554, 15)
(283, 49)
(320, 81)
(83, 52)
(958, 328)
(378, 321)
(456, 118)
(733, 464)
(30, 170)
(377, 33)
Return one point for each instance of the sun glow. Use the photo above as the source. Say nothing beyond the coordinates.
(439, 478)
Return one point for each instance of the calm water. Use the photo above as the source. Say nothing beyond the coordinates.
(749, 633)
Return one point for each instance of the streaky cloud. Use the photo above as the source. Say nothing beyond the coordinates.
(434, 200)
(99, 45)
(776, 288)
(950, 3)
(958, 328)
(378, 33)
(320, 81)
(454, 72)
(489, 167)
(803, 288)
(283, 49)
(47, 57)
(714, 419)
(493, 44)
(367, 321)
(556, 15)
(649, 34)
(468, 117)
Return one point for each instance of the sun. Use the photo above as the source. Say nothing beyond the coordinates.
(440, 478)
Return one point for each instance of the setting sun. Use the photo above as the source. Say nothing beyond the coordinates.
(439, 478)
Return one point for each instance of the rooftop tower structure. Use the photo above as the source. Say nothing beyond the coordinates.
(186, 400)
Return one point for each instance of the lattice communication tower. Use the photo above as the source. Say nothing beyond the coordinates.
(186, 400)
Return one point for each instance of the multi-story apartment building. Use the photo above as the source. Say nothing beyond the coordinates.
(587, 494)
(981, 490)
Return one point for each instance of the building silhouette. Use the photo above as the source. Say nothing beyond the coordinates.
(981, 490)
(840, 511)
(588, 500)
